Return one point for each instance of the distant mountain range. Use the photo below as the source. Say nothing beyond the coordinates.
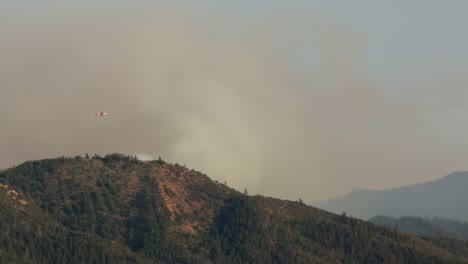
(446, 197)
(425, 226)
(117, 209)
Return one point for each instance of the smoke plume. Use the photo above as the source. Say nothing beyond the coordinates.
(280, 104)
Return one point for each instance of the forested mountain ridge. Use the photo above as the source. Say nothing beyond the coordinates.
(117, 209)
(425, 226)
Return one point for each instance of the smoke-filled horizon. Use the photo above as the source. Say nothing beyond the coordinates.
(283, 102)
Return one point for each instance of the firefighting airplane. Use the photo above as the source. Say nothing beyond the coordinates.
(101, 114)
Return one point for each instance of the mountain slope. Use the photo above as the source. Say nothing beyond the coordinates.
(446, 197)
(425, 226)
(116, 209)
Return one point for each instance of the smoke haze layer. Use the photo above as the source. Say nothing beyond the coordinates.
(232, 99)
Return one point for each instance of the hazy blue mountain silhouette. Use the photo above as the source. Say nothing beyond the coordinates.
(446, 197)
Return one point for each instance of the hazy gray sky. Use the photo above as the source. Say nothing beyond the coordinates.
(302, 99)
